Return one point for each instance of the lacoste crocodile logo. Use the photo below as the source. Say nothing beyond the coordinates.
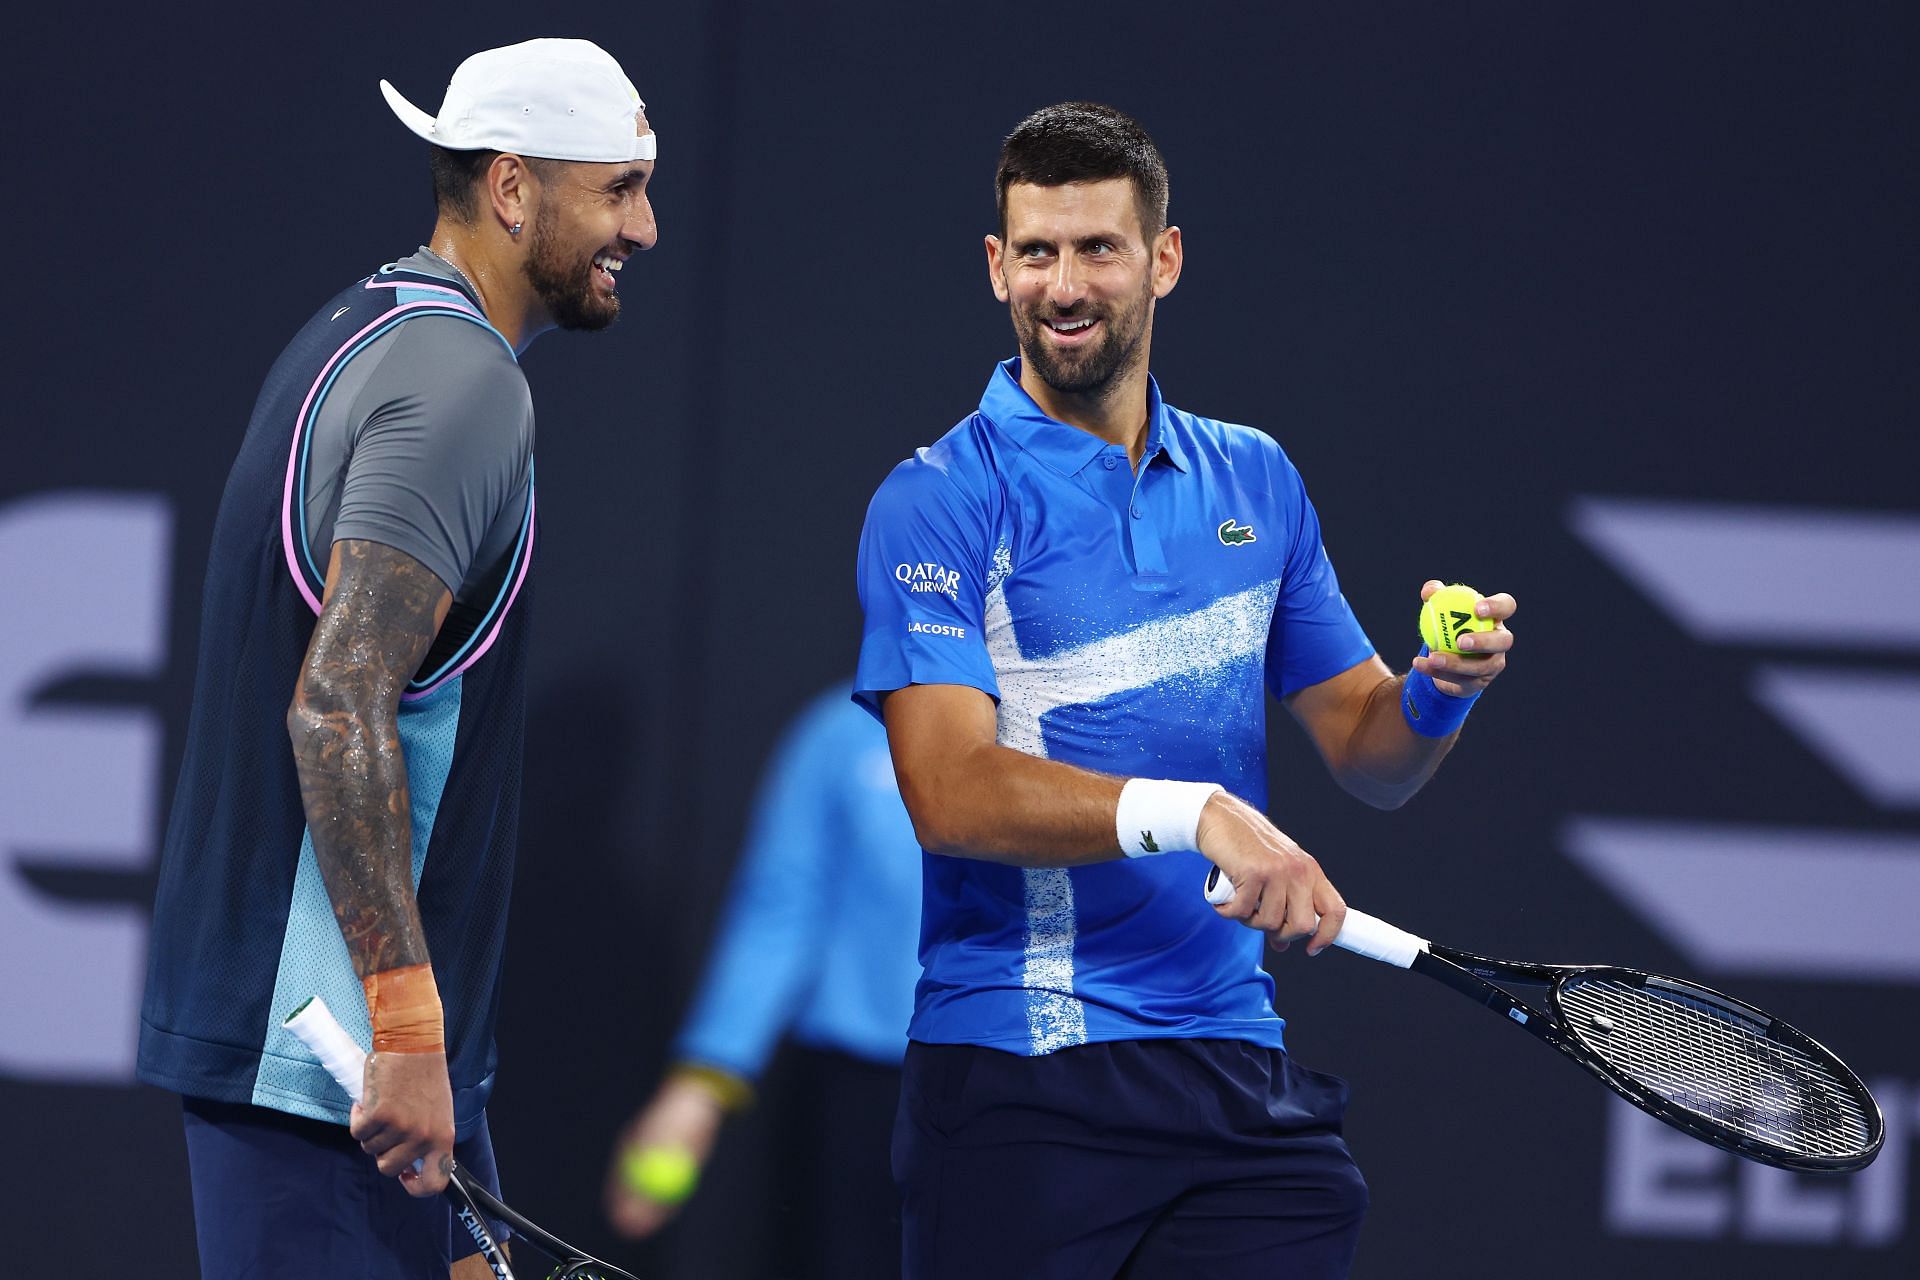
(1146, 842)
(1235, 534)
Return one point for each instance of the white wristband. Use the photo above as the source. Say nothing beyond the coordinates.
(1156, 815)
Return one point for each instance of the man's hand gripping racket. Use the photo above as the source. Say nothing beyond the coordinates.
(473, 1204)
(1713, 1067)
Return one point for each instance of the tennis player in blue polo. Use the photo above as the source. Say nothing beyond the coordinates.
(1076, 602)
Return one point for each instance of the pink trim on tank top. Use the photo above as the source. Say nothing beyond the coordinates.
(526, 562)
(299, 431)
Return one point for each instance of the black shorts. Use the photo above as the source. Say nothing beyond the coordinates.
(1134, 1158)
(283, 1196)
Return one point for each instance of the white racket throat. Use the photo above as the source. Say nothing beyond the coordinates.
(1362, 934)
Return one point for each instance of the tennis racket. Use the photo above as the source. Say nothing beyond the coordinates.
(473, 1204)
(1709, 1065)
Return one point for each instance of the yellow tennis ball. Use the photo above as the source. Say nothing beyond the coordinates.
(665, 1175)
(1448, 613)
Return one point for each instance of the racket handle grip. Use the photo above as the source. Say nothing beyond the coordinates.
(1362, 934)
(321, 1032)
(1374, 938)
(338, 1052)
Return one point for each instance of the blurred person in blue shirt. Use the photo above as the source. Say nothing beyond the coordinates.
(818, 943)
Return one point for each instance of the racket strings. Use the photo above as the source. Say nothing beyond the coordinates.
(1719, 1064)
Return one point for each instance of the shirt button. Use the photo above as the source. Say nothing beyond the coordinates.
(1110, 461)
(1136, 513)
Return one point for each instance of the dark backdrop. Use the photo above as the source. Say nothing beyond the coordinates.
(1546, 297)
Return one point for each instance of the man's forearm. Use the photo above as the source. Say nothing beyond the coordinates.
(1384, 762)
(1002, 805)
(381, 613)
(353, 784)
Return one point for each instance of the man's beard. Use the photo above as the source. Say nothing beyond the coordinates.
(565, 288)
(1089, 372)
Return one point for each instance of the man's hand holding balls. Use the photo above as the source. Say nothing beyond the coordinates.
(1471, 635)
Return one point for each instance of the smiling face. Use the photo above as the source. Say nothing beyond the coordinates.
(1080, 277)
(590, 219)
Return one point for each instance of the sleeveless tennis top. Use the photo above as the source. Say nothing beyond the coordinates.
(400, 416)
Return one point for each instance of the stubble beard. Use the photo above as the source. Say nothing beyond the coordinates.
(1091, 373)
(565, 286)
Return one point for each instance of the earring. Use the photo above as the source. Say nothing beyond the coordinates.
(514, 230)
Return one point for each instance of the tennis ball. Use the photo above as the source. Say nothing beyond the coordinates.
(665, 1175)
(1447, 613)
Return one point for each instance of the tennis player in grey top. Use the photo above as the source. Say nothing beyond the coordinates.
(372, 541)
(454, 499)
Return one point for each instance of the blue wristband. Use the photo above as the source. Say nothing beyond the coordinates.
(1429, 712)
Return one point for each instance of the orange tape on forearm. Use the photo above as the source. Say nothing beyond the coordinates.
(404, 1006)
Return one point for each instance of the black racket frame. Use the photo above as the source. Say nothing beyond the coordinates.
(474, 1205)
(1474, 976)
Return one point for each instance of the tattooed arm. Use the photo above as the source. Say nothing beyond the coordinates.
(381, 611)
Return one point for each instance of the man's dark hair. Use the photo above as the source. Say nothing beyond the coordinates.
(1085, 142)
(457, 174)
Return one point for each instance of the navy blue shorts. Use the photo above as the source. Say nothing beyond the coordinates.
(1133, 1158)
(283, 1196)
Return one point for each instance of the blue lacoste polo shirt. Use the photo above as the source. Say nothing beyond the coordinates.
(1127, 623)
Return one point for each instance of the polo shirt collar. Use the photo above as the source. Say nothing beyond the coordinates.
(1065, 448)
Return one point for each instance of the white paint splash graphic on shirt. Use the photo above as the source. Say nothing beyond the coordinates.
(997, 571)
(1192, 645)
(1054, 1018)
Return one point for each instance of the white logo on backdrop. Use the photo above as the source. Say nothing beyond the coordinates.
(1723, 894)
(83, 587)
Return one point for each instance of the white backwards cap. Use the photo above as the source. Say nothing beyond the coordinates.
(552, 99)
